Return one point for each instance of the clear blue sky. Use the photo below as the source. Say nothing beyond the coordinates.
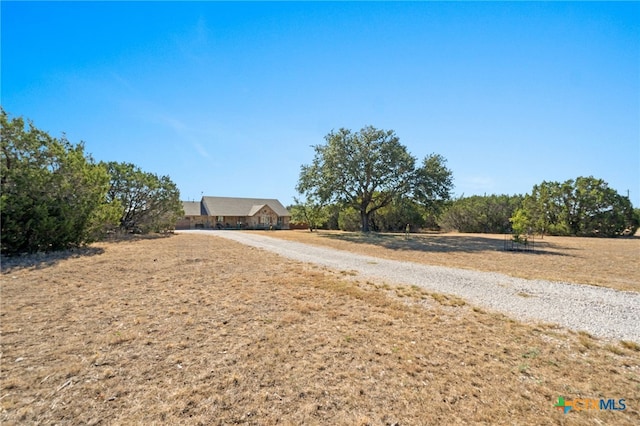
(227, 98)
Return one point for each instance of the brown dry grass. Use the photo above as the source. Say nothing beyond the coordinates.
(199, 330)
(607, 262)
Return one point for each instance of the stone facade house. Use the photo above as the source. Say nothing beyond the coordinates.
(234, 213)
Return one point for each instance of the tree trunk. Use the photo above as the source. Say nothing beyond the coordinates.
(364, 217)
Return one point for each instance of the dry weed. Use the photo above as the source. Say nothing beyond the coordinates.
(198, 330)
(608, 262)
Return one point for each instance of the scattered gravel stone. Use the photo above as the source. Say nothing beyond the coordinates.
(600, 311)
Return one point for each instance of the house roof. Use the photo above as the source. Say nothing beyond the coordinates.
(231, 206)
(192, 208)
(255, 209)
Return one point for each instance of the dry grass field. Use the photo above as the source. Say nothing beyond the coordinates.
(193, 329)
(608, 262)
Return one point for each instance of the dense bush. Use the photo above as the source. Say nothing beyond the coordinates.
(53, 194)
(349, 219)
(488, 214)
(585, 206)
(395, 216)
(149, 203)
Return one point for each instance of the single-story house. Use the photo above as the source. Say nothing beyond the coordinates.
(234, 213)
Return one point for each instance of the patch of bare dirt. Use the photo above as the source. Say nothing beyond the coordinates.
(607, 262)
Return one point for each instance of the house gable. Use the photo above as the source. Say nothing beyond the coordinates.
(255, 209)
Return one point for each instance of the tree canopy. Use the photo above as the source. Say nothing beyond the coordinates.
(486, 214)
(52, 193)
(368, 169)
(585, 206)
(54, 196)
(309, 212)
(149, 203)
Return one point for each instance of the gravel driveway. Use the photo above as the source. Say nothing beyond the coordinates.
(603, 312)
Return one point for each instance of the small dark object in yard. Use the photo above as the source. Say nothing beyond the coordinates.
(519, 242)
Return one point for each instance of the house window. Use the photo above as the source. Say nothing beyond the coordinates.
(220, 218)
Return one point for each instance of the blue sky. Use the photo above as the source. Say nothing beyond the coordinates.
(227, 98)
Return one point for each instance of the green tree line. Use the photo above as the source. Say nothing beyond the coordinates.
(54, 196)
(496, 214)
(367, 180)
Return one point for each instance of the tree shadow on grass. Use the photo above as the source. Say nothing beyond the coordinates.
(120, 237)
(45, 260)
(443, 243)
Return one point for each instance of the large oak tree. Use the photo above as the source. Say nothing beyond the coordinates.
(368, 169)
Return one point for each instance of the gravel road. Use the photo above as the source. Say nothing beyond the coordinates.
(603, 312)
